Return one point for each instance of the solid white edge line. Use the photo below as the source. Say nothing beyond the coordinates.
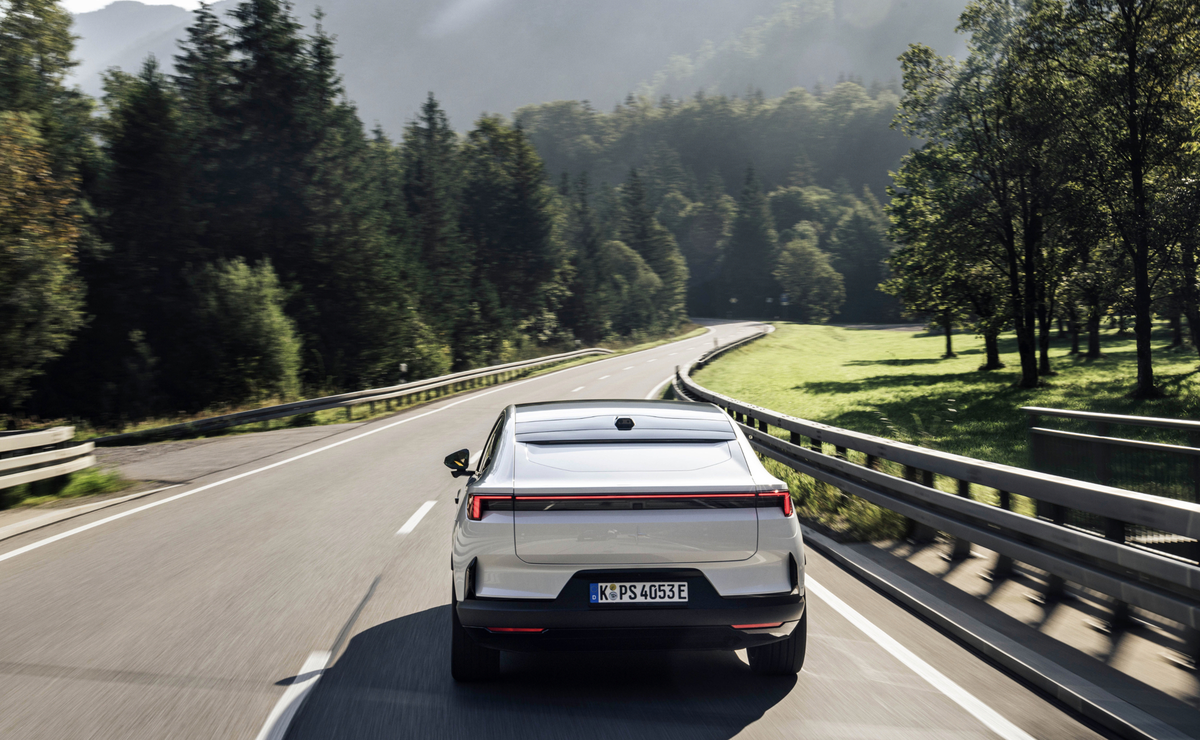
(284, 711)
(99, 522)
(415, 519)
(658, 388)
(960, 696)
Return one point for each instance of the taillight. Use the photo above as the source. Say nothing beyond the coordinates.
(782, 498)
(476, 503)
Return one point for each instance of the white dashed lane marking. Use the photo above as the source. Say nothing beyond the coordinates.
(415, 519)
(579, 389)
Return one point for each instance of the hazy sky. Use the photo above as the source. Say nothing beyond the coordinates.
(84, 6)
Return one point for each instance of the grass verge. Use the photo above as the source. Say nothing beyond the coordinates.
(896, 384)
(88, 482)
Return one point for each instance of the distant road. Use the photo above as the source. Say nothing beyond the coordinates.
(188, 613)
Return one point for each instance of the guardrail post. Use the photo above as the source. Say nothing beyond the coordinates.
(962, 548)
(1031, 422)
(349, 413)
(916, 532)
(1194, 441)
(1115, 530)
(1003, 568)
(1055, 585)
(795, 438)
(762, 426)
(840, 452)
(1102, 455)
(371, 408)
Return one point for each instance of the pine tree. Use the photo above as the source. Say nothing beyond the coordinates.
(432, 161)
(269, 129)
(508, 221)
(204, 82)
(149, 223)
(751, 253)
(587, 311)
(642, 233)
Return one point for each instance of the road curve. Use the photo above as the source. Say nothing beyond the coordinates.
(189, 614)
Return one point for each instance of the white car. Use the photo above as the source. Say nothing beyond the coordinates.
(621, 525)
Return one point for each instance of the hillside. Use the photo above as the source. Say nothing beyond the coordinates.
(497, 55)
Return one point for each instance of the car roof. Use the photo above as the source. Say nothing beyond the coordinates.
(560, 422)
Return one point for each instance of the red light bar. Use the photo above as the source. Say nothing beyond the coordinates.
(515, 629)
(620, 496)
(475, 505)
(756, 626)
(785, 500)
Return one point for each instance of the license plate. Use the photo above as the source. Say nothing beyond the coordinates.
(636, 593)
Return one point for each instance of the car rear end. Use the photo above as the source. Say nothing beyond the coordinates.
(625, 525)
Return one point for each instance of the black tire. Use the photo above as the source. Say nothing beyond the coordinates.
(470, 661)
(783, 658)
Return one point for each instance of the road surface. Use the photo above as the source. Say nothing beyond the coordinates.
(189, 613)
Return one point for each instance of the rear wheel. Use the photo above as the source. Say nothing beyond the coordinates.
(470, 661)
(783, 658)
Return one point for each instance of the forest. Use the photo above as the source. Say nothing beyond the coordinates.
(1059, 181)
(229, 232)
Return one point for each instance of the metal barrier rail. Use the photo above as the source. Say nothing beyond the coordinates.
(28, 457)
(1047, 445)
(421, 389)
(1132, 575)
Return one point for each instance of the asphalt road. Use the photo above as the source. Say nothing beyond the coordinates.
(190, 618)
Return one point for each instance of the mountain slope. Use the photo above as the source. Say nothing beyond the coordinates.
(497, 55)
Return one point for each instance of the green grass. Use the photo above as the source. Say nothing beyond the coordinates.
(895, 384)
(88, 482)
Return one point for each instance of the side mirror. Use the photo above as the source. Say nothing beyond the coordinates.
(458, 461)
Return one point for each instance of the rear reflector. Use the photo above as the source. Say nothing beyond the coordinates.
(515, 629)
(756, 626)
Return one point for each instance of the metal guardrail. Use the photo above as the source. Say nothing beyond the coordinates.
(28, 457)
(1131, 574)
(1156, 467)
(405, 392)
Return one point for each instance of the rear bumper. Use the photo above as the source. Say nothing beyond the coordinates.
(570, 622)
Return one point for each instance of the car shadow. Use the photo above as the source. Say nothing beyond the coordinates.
(394, 681)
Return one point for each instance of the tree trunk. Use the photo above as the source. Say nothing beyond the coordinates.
(1176, 320)
(991, 345)
(948, 328)
(1135, 138)
(1073, 325)
(1188, 292)
(1017, 302)
(1093, 329)
(1032, 237)
(1044, 322)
